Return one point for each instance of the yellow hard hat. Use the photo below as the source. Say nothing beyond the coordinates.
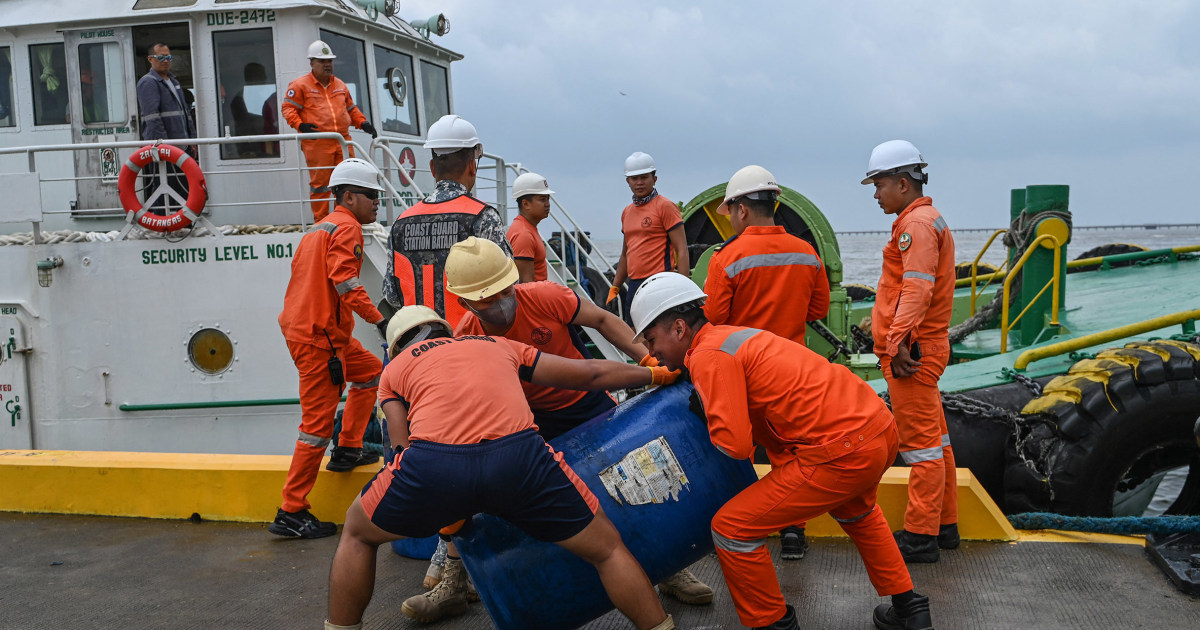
(407, 319)
(477, 268)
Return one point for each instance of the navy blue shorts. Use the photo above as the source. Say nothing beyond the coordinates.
(552, 424)
(518, 478)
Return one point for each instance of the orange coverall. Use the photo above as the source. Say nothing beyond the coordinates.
(330, 108)
(829, 438)
(322, 296)
(766, 278)
(913, 303)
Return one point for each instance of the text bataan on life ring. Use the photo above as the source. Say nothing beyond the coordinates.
(197, 189)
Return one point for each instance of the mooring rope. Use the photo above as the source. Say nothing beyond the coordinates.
(1107, 525)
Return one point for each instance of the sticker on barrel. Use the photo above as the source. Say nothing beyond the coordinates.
(648, 474)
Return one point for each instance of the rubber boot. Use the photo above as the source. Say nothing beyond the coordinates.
(948, 536)
(686, 588)
(447, 599)
(917, 547)
(787, 622)
(913, 615)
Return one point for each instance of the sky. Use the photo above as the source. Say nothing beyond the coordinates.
(1100, 95)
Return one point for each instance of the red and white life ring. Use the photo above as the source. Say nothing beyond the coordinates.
(197, 189)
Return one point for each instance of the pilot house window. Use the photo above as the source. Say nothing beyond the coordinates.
(48, 70)
(7, 115)
(351, 67)
(101, 90)
(245, 62)
(397, 105)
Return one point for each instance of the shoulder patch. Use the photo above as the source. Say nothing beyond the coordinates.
(731, 239)
(358, 252)
(291, 93)
(904, 241)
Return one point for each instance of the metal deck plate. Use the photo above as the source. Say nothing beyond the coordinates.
(121, 573)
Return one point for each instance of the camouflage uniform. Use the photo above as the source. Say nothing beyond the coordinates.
(413, 246)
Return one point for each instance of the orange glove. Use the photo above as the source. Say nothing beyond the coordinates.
(648, 361)
(663, 375)
(613, 292)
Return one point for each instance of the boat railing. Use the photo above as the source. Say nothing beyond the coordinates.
(975, 270)
(1055, 281)
(571, 232)
(300, 168)
(1185, 318)
(1098, 262)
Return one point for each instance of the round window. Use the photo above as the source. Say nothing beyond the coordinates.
(210, 350)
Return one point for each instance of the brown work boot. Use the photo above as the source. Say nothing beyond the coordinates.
(686, 588)
(447, 599)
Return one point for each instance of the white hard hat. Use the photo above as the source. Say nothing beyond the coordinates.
(892, 157)
(355, 172)
(408, 318)
(451, 133)
(660, 292)
(530, 184)
(320, 50)
(639, 163)
(749, 179)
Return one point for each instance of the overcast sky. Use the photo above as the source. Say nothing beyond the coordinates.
(1101, 95)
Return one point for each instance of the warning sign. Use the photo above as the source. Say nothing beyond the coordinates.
(408, 161)
(650, 474)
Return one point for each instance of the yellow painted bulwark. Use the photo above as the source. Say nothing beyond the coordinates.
(979, 518)
(164, 485)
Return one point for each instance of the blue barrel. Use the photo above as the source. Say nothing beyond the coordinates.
(655, 456)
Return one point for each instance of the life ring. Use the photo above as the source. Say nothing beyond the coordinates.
(197, 189)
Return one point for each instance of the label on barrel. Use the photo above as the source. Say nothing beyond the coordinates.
(650, 474)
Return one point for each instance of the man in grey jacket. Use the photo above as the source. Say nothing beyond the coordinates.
(165, 116)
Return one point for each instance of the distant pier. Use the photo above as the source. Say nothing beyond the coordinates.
(1077, 228)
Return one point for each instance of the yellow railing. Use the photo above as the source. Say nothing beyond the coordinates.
(1055, 280)
(1070, 345)
(975, 270)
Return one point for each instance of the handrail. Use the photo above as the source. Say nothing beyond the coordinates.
(975, 268)
(1005, 326)
(1104, 336)
(1096, 260)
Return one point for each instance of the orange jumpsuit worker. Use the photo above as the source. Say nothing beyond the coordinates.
(828, 436)
(765, 278)
(532, 193)
(318, 324)
(319, 101)
(652, 231)
(912, 310)
(469, 446)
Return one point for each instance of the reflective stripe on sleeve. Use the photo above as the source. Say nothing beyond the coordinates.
(939, 224)
(921, 455)
(733, 342)
(298, 105)
(368, 385)
(945, 440)
(772, 260)
(345, 287)
(918, 275)
(326, 226)
(737, 546)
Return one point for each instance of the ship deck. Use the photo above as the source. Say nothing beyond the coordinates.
(101, 572)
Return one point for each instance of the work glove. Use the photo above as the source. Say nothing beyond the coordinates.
(369, 128)
(381, 326)
(648, 361)
(662, 375)
(613, 292)
(307, 127)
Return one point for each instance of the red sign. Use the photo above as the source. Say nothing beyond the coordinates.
(408, 160)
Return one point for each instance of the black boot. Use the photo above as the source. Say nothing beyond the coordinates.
(345, 458)
(788, 622)
(948, 536)
(793, 544)
(917, 547)
(911, 615)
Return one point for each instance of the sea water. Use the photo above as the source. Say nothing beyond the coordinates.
(862, 254)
